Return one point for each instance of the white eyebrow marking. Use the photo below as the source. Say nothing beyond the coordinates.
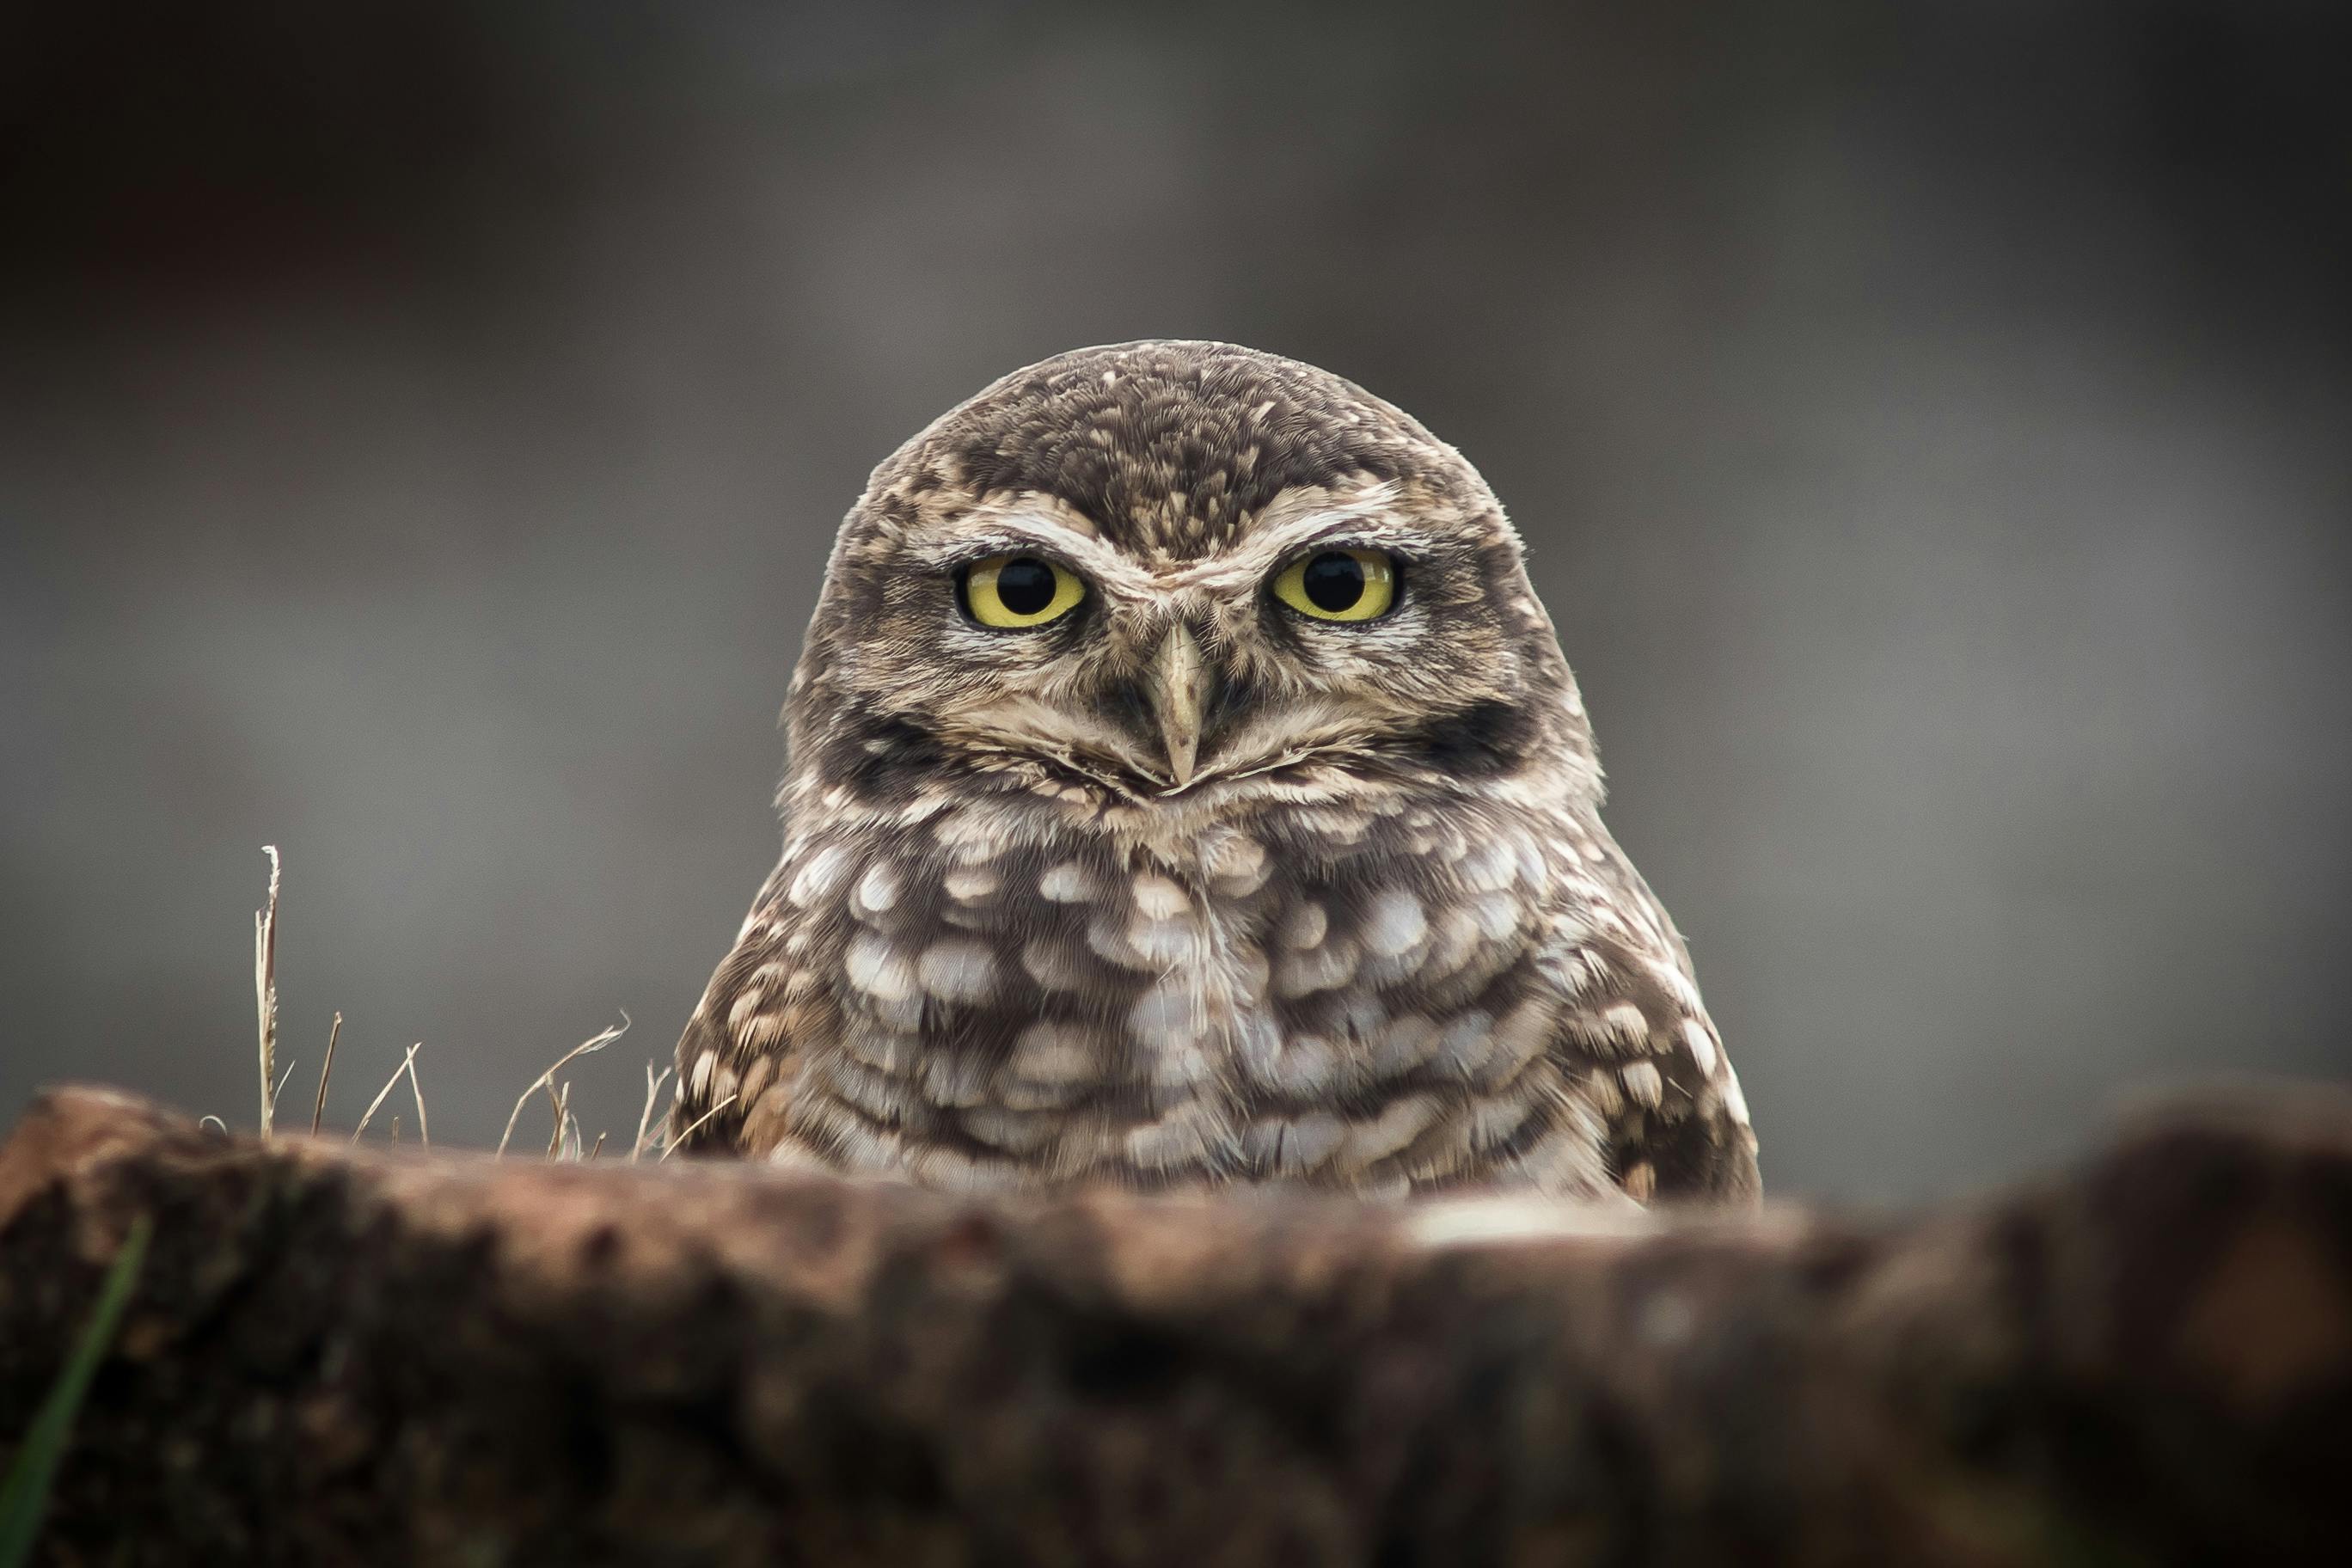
(1276, 539)
(1286, 526)
(1053, 526)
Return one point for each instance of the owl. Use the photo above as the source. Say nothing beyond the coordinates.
(1186, 788)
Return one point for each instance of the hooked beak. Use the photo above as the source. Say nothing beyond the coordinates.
(1179, 693)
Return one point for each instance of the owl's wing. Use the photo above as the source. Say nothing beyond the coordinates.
(696, 1125)
(1637, 1047)
(736, 1045)
(1677, 1124)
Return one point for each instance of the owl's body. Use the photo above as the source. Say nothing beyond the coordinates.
(1166, 862)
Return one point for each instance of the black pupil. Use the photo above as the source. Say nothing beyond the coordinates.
(1334, 581)
(1026, 587)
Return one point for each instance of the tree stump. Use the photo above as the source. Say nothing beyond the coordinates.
(363, 1356)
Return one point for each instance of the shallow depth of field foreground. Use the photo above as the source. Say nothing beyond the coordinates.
(400, 1357)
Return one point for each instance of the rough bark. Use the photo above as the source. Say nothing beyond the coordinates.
(341, 1356)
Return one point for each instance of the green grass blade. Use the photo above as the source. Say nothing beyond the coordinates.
(25, 1494)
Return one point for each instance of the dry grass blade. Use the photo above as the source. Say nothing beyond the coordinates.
(265, 990)
(417, 1093)
(327, 1070)
(695, 1126)
(407, 1065)
(561, 1095)
(599, 1147)
(645, 1117)
(545, 1079)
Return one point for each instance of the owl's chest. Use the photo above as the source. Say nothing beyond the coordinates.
(1362, 996)
(1287, 961)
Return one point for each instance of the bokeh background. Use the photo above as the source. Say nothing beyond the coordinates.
(420, 427)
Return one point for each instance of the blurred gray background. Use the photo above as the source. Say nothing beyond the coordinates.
(420, 427)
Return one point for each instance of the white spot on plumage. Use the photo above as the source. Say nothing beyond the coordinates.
(1049, 964)
(957, 969)
(1495, 1119)
(1530, 856)
(1305, 1067)
(1465, 1042)
(1181, 1063)
(1643, 1083)
(877, 890)
(1498, 915)
(952, 1170)
(893, 1051)
(1019, 1133)
(818, 878)
(1734, 1099)
(1294, 1145)
(1400, 1122)
(1160, 899)
(1687, 995)
(1107, 940)
(1402, 1044)
(876, 1094)
(1065, 884)
(1186, 1138)
(1607, 1098)
(1166, 1015)
(1317, 969)
(1054, 1053)
(1305, 924)
(878, 969)
(1251, 973)
(1458, 937)
(1625, 1021)
(745, 1008)
(1519, 1038)
(1702, 1045)
(1235, 864)
(969, 884)
(1394, 924)
(1166, 944)
(955, 1077)
(1488, 867)
(755, 1079)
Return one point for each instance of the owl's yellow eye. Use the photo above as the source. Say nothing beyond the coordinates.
(1339, 585)
(1015, 592)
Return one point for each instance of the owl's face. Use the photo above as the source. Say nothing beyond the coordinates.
(1180, 570)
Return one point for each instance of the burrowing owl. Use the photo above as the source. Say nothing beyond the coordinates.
(1186, 787)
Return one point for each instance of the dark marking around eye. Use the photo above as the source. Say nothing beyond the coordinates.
(881, 756)
(1025, 585)
(1482, 739)
(1334, 581)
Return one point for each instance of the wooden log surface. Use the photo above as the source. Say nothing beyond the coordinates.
(366, 1356)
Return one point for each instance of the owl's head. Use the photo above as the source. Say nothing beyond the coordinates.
(1180, 569)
